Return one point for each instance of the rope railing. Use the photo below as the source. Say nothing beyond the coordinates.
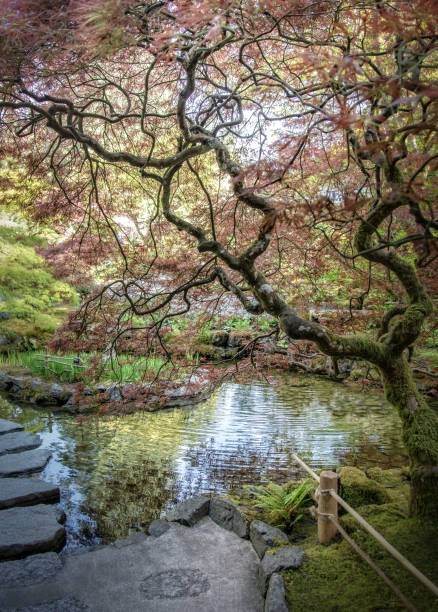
(328, 525)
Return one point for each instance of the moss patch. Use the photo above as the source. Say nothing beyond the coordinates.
(358, 490)
(32, 303)
(334, 578)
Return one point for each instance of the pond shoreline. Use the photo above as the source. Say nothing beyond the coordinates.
(73, 399)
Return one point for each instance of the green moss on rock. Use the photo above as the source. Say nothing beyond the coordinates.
(359, 490)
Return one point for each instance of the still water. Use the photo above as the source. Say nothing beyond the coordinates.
(118, 473)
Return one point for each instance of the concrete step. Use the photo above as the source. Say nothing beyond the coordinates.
(26, 492)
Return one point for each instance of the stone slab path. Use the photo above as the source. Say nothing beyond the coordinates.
(18, 441)
(198, 560)
(9, 426)
(26, 492)
(27, 462)
(30, 529)
(28, 524)
(204, 568)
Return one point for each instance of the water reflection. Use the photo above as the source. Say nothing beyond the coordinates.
(119, 473)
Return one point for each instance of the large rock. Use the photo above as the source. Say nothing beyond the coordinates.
(276, 595)
(5, 385)
(114, 393)
(59, 394)
(190, 511)
(18, 441)
(227, 515)
(288, 557)
(29, 530)
(9, 426)
(264, 536)
(23, 463)
(32, 570)
(26, 492)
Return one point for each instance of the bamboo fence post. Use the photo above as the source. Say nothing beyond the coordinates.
(327, 506)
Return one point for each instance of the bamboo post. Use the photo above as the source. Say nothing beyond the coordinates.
(327, 506)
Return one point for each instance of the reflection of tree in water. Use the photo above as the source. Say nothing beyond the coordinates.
(368, 453)
(213, 470)
(120, 473)
(131, 497)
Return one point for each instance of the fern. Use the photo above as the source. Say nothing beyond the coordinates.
(282, 507)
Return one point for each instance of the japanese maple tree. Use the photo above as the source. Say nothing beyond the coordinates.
(240, 135)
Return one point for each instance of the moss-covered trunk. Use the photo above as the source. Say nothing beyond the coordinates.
(420, 435)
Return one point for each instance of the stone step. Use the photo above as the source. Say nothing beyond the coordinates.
(30, 530)
(18, 441)
(9, 426)
(23, 463)
(26, 492)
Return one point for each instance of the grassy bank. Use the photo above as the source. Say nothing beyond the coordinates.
(335, 579)
(73, 367)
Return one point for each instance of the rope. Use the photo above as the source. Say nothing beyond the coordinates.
(393, 551)
(306, 467)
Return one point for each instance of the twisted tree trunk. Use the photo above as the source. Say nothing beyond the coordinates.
(420, 435)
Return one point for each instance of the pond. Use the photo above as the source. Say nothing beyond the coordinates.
(118, 473)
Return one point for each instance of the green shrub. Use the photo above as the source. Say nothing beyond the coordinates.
(28, 292)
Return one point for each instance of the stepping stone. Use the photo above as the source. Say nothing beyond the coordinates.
(18, 441)
(26, 492)
(32, 570)
(23, 463)
(30, 530)
(9, 426)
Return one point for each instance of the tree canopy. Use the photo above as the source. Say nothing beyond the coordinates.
(247, 144)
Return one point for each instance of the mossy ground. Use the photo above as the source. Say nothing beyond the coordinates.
(335, 579)
(33, 304)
